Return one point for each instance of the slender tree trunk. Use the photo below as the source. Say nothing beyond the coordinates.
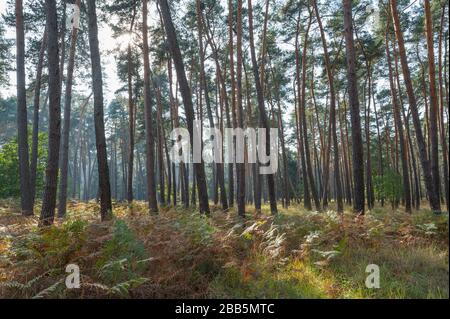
(444, 142)
(130, 129)
(36, 104)
(285, 179)
(370, 192)
(300, 131)
(187, 100)
(434, 109)
(233, 92)
(219, 166)
(240, 167)
(97, 84)
(301, 162)
(131, 115)
(54, 84)
(348, 193)
(150, 163)
(432, 193)
(169, 171)
(160, 134)
(398, 121)
(26, 199)
(333, 132)
(62, 37)
(302, 113)
(262, 110)
(62, 200)
(358, 163)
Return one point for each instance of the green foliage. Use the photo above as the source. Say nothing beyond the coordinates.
(263, 279)
(197, 227)
(123, 257)
(405, 272)
(5, 55)
(297, 254)
(54, 245)
(389, 186)
(9, 167)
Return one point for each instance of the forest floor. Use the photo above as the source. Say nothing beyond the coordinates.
(180, 254)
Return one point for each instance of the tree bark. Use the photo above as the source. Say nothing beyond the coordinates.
(150, 164)
(333, 132)
(262, 110)
(26, 200)
(308, 178)
(398, 122)
(432, 194)
(444, 142)
(54, 86)
(434, 110)
(187, 100)
(97, 84)
(358, 164)
(62, 200)
(36, 105)
(219, 166)
(160, 134)
(240, 167)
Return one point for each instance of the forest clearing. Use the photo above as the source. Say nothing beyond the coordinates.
(224, 149)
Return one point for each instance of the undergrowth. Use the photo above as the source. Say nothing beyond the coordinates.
(182, 254)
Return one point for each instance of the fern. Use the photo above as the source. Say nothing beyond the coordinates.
(123, 289)
(48, 291)
(122, 256)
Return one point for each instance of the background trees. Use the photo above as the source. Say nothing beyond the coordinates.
(22, 123)
(334, 78)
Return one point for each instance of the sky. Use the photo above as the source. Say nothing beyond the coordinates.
(106, 41)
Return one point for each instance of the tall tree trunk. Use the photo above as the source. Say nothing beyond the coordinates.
(150, 163)
(302, 173)
(358, 162)
(262, 111)
(240, 167)
(26, 200)
(285, 179)
(444, 142)
(130, 129)
(62, 36)
(333, 132)
(299, 122)
(174, 123)
(370, 192)
(97, 84)
(219, 166)
(160, 134)
(379, 148)
(348, 184)
(432, 194)
(398, 122)
(187, 100)
(233, 93)
(54, 86)
(36, 104)
(62, 200)
(434, 110)
(131, 115)
(302, 114)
